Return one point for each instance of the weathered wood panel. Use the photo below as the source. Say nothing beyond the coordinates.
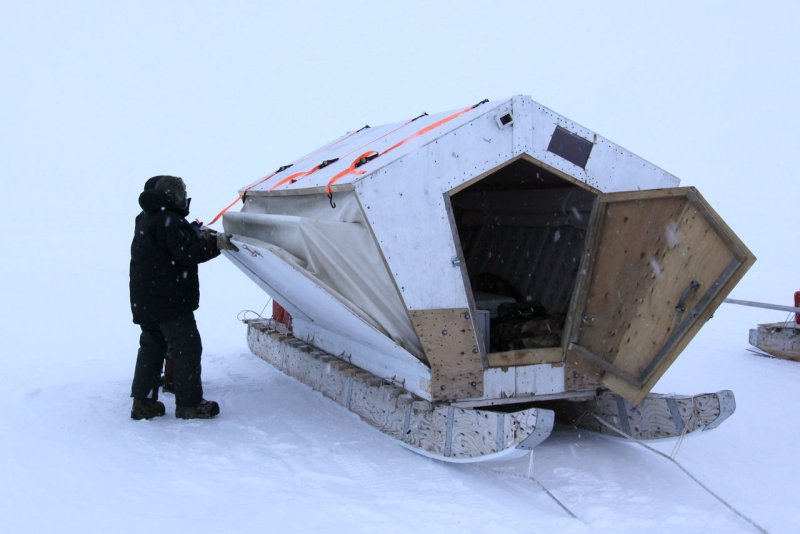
(621, 270)
(526, 357)
(451, 347)
(381, 406)
(657, 416)
(427, 429)
(515, 425)
(660, 265)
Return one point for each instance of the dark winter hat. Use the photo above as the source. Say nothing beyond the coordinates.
(150, 184)
(164, 192)
(173, 188)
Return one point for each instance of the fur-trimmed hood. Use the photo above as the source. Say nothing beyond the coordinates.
(156, 195)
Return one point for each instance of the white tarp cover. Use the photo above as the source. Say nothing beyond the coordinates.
(334, 247)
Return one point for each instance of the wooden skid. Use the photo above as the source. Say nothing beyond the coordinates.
(657, 416)
(442, 431)
(781, 340)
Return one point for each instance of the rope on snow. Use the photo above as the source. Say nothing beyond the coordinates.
(530, 476)
(686, 472)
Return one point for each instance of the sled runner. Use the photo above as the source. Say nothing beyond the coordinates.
(658, 416)
(780, 340)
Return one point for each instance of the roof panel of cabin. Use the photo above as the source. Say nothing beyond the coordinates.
(391, 141)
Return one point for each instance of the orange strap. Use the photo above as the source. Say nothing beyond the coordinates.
(220, 214)
(400, 143)
(293, 178)
(430, 127)
(261, 181)
(360, 160)
(371, 141)
(296, 176)
(352, 169)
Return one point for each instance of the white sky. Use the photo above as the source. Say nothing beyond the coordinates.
(98, 96)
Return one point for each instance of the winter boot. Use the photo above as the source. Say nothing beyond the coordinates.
(147, 409)
(204, 410)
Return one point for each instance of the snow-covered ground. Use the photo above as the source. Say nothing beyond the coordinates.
(97, 97)
(282, 457)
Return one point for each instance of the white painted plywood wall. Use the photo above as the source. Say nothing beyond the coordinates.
(405, 205)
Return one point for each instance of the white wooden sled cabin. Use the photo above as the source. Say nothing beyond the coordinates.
(452, 275)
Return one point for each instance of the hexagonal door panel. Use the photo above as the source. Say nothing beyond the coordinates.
(658, 264)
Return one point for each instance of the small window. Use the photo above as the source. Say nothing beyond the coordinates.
(571, 147)
(506, 119)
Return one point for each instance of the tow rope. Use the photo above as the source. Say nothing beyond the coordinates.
(671, 458)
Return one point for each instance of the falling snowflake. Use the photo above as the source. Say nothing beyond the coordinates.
(671, 233)
(658, 270)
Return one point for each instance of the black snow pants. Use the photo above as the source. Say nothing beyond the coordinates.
(181, 337)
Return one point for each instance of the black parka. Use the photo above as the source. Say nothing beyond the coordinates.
(165, 252)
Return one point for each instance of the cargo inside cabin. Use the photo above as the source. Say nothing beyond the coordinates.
(522, 231)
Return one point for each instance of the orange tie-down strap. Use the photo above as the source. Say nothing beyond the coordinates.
(291, 178)
(296, 176)
(359, 161)
(283, 168)
(300, 175)
(352, 169)
(240, 197)
(369, 156)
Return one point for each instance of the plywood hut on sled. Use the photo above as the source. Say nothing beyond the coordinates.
(457, 278)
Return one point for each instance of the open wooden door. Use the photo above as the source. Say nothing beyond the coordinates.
(658, 264)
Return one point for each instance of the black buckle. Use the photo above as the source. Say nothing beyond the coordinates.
(366, 159)
(327, 162)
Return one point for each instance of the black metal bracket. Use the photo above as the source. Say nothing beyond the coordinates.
(366, 159)
(693, 286)
(327, 162)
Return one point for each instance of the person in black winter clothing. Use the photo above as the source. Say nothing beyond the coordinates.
(165, 292)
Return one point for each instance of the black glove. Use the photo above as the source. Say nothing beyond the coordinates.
(224, 243)
(208, 233)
